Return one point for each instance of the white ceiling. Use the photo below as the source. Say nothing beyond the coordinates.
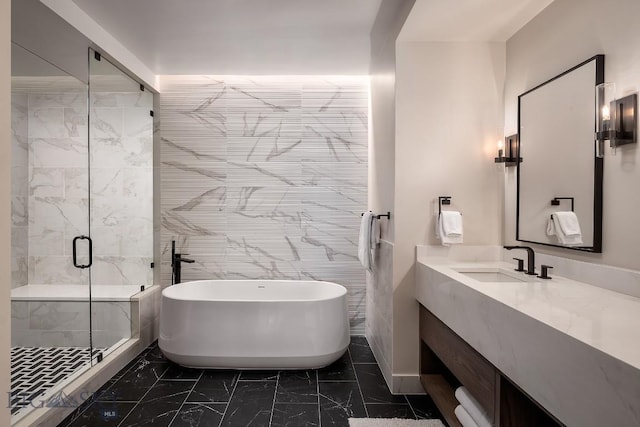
(289, 36)
(469, 20)
(242, 36)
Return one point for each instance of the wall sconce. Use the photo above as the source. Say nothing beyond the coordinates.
(509, 151)
(615, 118)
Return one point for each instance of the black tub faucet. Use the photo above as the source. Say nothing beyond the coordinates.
(176, 263)
(531, 258)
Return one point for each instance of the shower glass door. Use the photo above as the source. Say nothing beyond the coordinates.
(121, 187)
(50, 296)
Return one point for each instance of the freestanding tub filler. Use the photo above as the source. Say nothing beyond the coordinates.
(254, 324)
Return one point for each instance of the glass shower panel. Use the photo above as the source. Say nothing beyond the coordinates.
(121, 186)
(50, 307)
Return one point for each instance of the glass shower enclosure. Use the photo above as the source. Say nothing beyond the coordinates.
(82, 220)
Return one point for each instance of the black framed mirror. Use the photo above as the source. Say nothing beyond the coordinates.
(559, 179)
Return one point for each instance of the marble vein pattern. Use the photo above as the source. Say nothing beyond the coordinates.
(121, 185)
(19, 188)
(53, 199)
(151, 391)
(379, 307)
(265, 178)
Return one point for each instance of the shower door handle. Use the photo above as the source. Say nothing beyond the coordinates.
(75, 259)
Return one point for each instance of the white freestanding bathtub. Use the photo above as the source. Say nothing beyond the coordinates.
(254, 324)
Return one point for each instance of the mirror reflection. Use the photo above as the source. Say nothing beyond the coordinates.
(560, 178)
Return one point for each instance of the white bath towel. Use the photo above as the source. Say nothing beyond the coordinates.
(554, 227)
(472, 407)
(464, 417)
(453, 221)
(365, 249)
(374, 240)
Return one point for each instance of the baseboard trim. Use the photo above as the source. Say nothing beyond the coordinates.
(407, 384)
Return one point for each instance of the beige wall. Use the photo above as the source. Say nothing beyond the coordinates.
(561, 36)
(379, 297)
(449, 103)
(5, 203)
(384, 33)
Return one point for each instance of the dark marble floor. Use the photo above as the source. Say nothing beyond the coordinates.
(151, 391)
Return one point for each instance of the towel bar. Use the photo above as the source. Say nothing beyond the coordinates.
(387, 215)
(556, 201)
(443, 200)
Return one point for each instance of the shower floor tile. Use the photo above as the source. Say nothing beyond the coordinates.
(36, 370)
(175, 396)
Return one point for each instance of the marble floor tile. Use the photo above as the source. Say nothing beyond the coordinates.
(259, 375)
(360, 350)
(297, 387)
(152, 391)
(160, 405)
(151, 354)
(199, 415)
(423, 406)
(295, 415)
(214, 386)
(339, 401)
(250, 404)
(134, 384)
(177, 372)
(340, 370)
(154, 354)
(389, 410)
(374, 388)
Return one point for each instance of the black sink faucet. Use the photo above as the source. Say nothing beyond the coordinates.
(531, 258)
(176, 263)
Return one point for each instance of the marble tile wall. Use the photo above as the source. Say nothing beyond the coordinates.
(51, 202)
(51, 205)
(121, 155)
(379, 309)
(57, 203)
(145, 315)
(19, 189)
(265, 178)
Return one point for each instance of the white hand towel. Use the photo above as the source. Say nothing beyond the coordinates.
(452, 223)
(551, 228)
(569, 223)
(573, 240)
(444, 238)
(464, 418)
(364, 242)
(472, 407)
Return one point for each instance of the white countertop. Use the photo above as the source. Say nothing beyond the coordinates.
(603, 319)
(573, 347)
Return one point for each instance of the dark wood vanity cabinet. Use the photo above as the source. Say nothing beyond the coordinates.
(447, 361)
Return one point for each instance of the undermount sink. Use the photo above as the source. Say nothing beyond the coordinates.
(490, 276)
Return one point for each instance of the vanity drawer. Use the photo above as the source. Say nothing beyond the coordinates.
(465, 363)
